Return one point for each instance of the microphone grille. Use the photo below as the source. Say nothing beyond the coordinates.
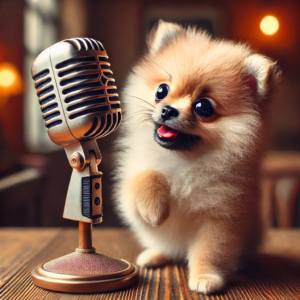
(48, 100)
(88, 88)
(76, 91)
(85, 44)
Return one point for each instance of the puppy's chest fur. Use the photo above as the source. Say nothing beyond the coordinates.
(200, 183)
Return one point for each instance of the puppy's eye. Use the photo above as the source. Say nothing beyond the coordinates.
(162, 92)
(203, 108)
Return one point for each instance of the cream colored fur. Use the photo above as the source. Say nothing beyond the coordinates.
(201, 205)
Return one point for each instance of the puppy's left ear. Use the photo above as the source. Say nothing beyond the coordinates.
(261, 74)
(162, 34)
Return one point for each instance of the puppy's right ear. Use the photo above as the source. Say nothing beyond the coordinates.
(162, 34)
(261, 74)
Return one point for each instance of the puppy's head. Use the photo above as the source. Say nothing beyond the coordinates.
(198, 91)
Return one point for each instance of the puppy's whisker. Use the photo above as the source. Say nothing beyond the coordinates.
(140, 99)
(142, 120)
(149, 109)
(146, 115)
(137, 113)
(145, 112)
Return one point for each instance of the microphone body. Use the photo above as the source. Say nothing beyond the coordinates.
(76, 91)
(79, 104)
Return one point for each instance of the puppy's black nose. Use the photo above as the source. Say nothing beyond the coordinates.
(169, 112)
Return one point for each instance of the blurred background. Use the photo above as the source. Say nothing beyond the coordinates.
(35, 173)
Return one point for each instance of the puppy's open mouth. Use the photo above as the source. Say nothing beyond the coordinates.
(172, 139)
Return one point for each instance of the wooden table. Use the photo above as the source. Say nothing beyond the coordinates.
(276, 274)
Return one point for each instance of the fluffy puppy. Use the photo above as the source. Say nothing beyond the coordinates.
(193, 140)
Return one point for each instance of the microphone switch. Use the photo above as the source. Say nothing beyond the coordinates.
(92, 196)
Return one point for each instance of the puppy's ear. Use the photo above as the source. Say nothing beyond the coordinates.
(162, 34)
(261, 74)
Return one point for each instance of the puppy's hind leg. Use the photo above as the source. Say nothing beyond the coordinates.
(213, 255)
(152, 258)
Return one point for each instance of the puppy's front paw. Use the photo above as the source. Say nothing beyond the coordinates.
(151, 258)
(152, 196)
(206, 283)
(153, 210)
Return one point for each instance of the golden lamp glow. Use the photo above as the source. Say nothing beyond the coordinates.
(269, 25)
(10, 80)
(7, 78)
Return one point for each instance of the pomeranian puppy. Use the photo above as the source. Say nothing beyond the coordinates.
(193, 140)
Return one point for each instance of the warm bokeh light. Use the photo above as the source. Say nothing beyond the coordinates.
(10, 80)
(269, 25)
(7, 78)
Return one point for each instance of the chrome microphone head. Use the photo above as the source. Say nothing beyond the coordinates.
(76, 91)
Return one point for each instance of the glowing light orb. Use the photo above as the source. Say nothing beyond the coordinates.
(269, 25)
(7, 78)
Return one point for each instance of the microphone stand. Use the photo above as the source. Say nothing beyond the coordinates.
(85, 235)
(85, 271)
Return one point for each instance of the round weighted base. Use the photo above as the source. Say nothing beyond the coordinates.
(85, 271)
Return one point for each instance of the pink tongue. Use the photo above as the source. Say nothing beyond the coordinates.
(166, 132)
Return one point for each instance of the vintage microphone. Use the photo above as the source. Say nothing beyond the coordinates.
(79, 104)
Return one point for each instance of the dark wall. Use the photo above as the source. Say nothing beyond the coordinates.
(12, 50)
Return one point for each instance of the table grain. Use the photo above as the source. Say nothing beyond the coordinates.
(274, 275)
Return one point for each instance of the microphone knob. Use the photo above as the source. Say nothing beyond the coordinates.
(76, 161)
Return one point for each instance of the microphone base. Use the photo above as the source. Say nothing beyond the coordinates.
(85, 271)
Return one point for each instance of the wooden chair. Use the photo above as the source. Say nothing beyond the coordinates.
(20, 192)
(280, 186)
